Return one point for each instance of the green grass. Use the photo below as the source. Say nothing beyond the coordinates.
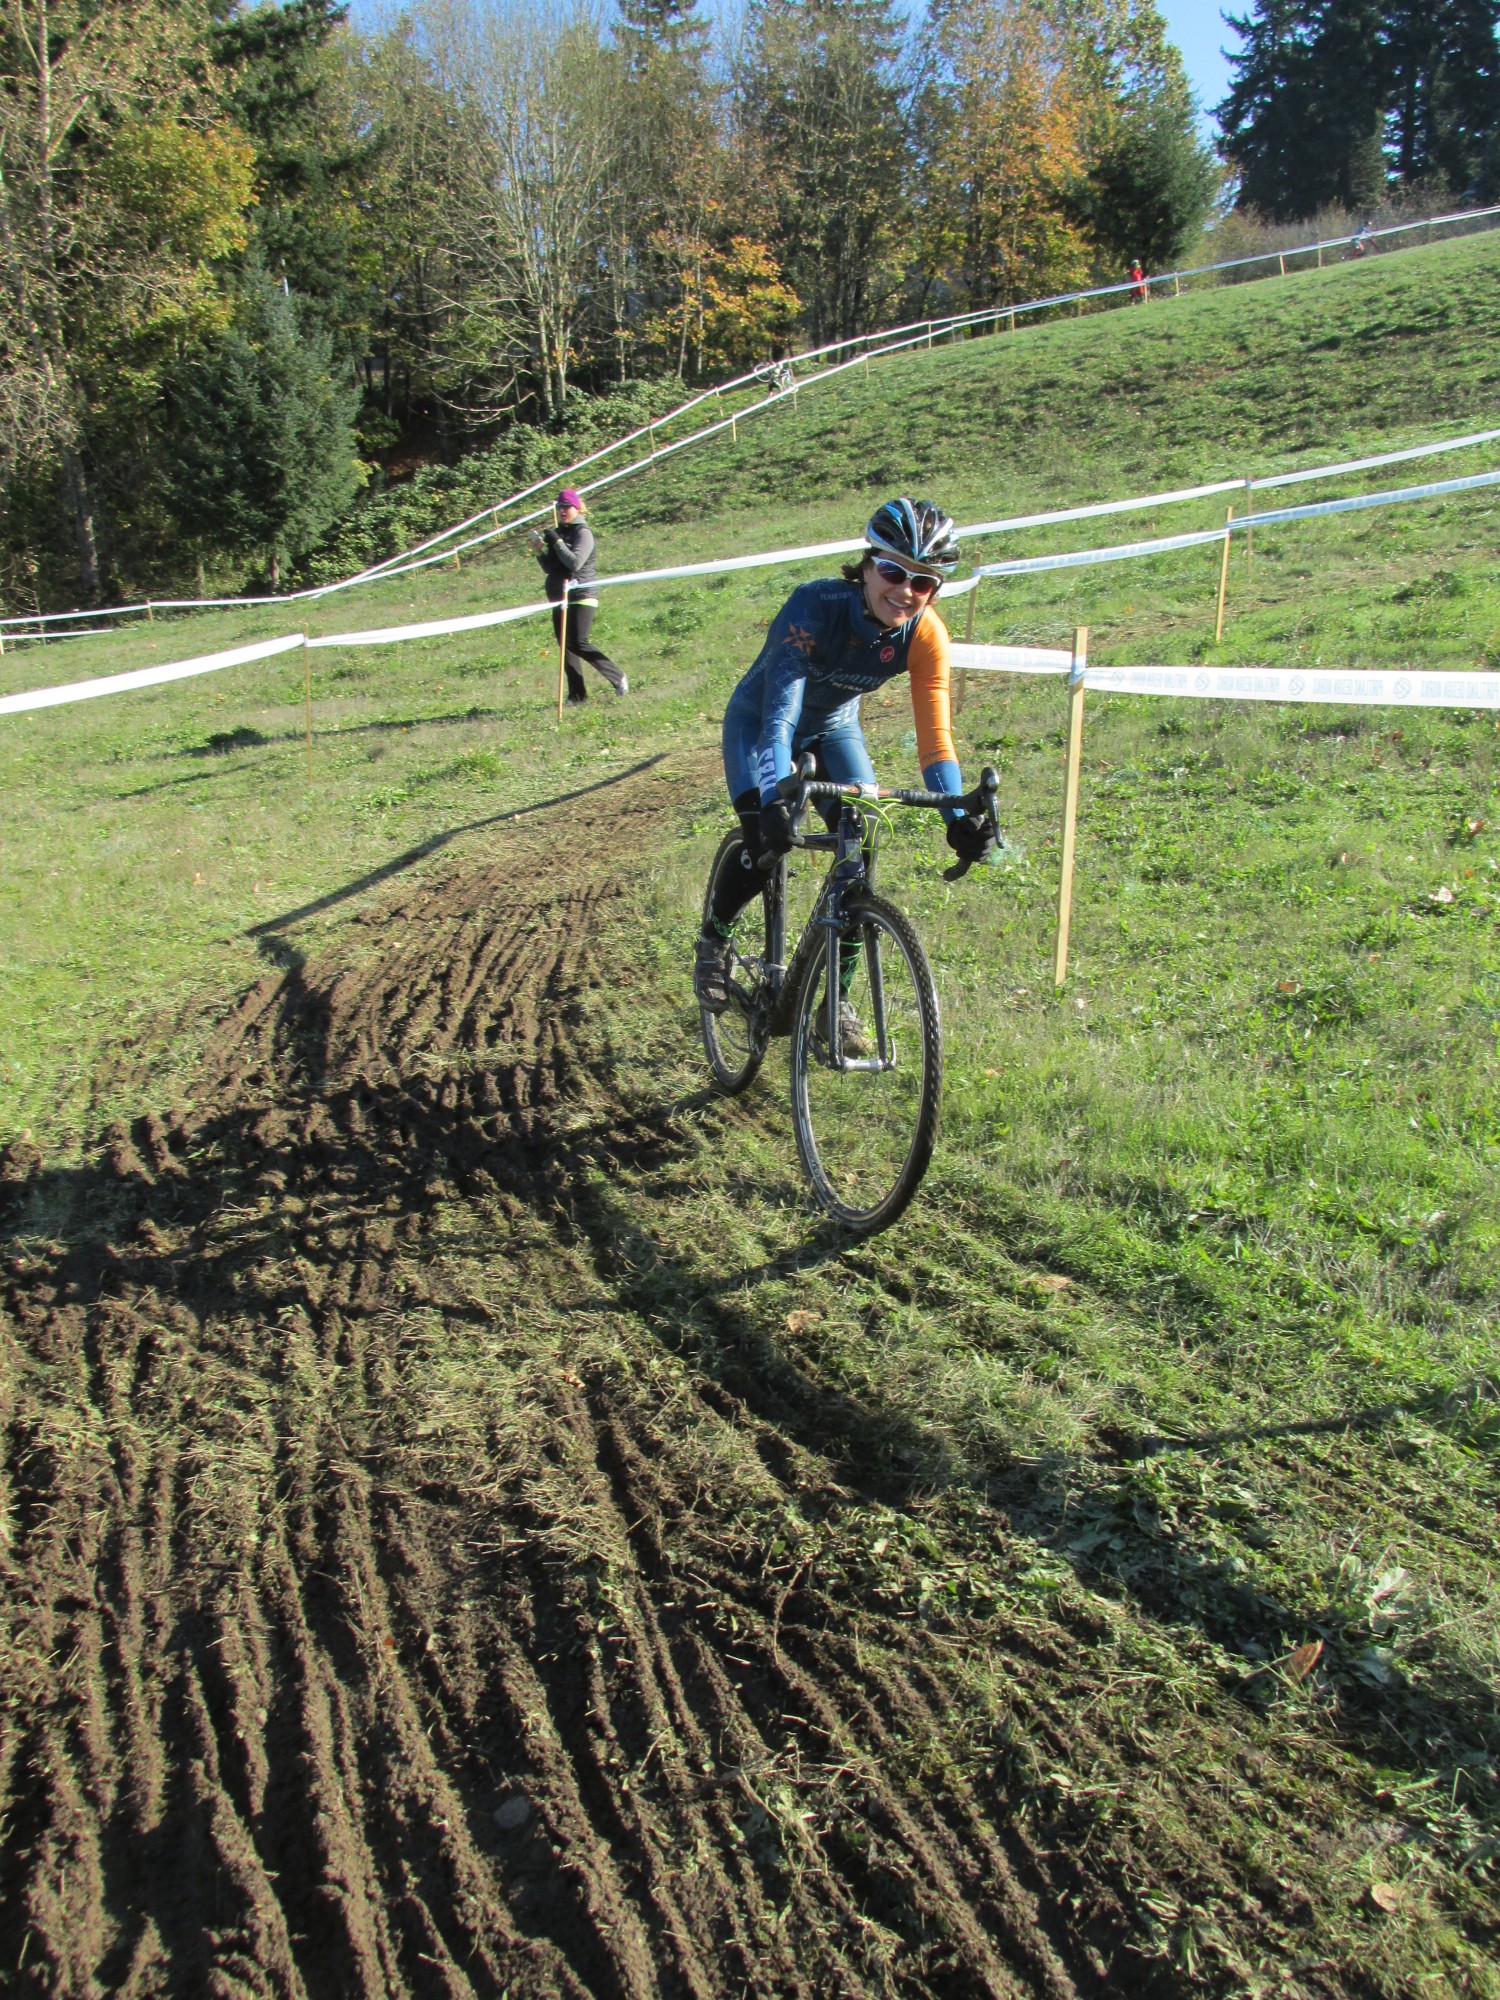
(142, 859)
(1201, 1292)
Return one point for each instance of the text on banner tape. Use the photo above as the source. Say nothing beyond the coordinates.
(1361, 689)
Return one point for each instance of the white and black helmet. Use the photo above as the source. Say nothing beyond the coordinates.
(914, 531)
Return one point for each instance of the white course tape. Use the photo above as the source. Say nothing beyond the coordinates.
(1371, 464)
(391, 635)
(1394, 690)
(83, 632)
(1011, 659)
(180, 670)
(873, 346)
(1273, 517)
(1307, 684)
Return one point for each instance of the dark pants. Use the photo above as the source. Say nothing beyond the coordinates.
(580, 653)
(738, 885)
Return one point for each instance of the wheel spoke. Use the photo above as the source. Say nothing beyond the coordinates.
(866, 1126)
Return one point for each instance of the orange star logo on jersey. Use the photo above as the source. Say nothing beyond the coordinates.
(800, 639)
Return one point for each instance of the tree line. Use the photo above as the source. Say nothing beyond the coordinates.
(1347, 102)
(254, 258)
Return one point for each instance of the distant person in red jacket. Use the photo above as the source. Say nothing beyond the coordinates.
(1140, 284)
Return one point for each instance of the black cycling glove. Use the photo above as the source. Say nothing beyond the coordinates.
(776, 829)
(972, 838)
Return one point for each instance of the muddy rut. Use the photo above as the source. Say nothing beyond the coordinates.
(373, 1621)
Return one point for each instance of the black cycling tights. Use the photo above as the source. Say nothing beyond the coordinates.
(739, 886)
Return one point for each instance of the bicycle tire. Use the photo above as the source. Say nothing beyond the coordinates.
(865, 1137)
(734, 1043)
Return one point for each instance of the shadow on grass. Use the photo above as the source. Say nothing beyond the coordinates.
(266, 933)
(201, 1213)
(223, 743)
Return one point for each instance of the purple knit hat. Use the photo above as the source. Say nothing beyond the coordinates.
(569, 497)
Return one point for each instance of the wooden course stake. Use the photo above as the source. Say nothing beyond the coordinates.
(562, 653)
(1223, 576)
(307, 703)
(150, 614)
(1249, 528)
(1070, 803)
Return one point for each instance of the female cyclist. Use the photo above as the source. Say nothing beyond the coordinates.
(830, 643)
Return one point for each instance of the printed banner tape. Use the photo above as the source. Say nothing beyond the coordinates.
(1273, 517)
(1305, 684)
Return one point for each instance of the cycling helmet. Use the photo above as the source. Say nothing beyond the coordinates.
(914, 531)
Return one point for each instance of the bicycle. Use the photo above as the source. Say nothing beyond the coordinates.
(865, 1098)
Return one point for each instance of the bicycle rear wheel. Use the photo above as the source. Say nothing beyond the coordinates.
(866, 1126)
(735, 1041)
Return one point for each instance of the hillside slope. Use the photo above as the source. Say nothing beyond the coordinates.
(468, 1528)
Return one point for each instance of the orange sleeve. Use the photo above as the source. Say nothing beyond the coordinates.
(928, 664)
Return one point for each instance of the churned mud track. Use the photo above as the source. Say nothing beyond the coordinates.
(381, 1616)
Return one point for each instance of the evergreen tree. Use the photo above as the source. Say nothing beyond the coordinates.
(1150, 188)
(309, 164)
(648, 29)
(1334, 99)
(1444, 91)
(1303, 123)
(821, 89)
(263, 455)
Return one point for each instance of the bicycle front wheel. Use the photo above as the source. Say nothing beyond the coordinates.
(735, 1041)
(865, 1108)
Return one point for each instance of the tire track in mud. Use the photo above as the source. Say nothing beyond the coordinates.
(364, 1637)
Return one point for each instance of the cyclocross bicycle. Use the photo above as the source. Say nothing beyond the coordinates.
(857, 999)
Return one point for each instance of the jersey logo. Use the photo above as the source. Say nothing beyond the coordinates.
(800, 639)
(887, 654)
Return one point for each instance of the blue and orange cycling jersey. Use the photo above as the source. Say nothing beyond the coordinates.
(822, 653)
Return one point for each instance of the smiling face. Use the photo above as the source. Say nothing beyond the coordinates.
(566, 514)
(891, 603)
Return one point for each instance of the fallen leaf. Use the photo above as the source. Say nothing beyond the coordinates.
(1304, 1659)
(198, 878)
(1385, 1896)
(1474, 827)
(1049, 1281)
(798, 1322)
(1289, 986)
(1442, 895)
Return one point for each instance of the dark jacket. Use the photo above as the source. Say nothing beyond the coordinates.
(567, 557)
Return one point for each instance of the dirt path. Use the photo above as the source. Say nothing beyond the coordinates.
(375, 1619)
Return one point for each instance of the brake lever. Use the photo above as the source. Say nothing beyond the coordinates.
(793, 792)
(984, 797)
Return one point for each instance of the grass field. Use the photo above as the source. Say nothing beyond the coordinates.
(475, 1530)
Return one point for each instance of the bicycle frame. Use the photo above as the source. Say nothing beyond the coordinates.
(854, 851)
(823, 941)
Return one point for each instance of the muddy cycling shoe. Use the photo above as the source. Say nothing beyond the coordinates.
(711, 971)
(853, 1039)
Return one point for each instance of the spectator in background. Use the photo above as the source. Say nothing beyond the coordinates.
(1140, 284)
(566, 554)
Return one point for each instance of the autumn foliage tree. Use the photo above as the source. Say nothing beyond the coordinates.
(477, 212)
(1004, 144)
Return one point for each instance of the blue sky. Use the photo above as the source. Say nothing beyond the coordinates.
(1196, 26)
